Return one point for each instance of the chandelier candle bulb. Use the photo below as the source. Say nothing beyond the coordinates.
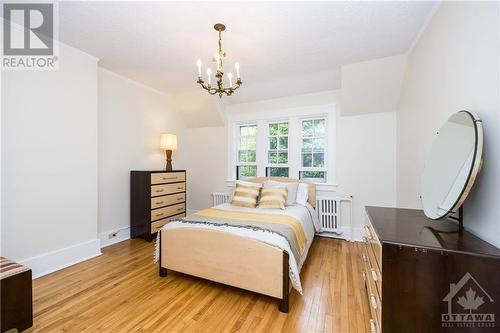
(237, 66)
(198, 63)
(209, 79)
(230, 77)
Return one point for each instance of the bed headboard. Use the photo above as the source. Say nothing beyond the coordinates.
(311, 186)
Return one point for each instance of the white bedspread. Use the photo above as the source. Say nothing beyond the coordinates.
(304, 214)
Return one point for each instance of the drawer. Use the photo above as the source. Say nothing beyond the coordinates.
(157, 190)
(372, 269)
(167, 177)
(161, 213)
(374, 301)
(155, 226)
(167, 200)
(374, 242)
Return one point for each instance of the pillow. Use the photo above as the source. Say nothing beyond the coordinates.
(302, 194)
(292, 190)
(242, 182)
(246, 194)
(273, 197)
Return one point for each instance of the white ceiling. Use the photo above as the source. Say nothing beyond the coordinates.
(284, 48)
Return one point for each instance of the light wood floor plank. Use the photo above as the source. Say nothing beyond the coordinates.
(121, 291)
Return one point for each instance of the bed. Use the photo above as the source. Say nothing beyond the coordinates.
(260, 250)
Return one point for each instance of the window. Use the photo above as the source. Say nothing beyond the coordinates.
(313, 166)
(246, 165)
(277, 150)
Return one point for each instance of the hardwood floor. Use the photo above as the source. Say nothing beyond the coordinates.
(121, 291)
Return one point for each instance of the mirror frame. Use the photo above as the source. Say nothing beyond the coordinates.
(477, 162)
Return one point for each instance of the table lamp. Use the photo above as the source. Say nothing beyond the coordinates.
(168, 142)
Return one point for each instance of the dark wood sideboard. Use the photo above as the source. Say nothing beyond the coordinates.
(421, 275)
(156, 197)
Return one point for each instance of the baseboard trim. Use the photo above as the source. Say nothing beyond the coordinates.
(357, 234)
(55, 260)
(122, 234)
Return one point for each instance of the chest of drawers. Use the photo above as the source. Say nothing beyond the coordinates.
(156, 197)
(423, 276)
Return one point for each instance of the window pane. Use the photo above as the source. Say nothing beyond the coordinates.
(273, 143)
(251, 143)
(243, 143)
(272, 157)
(283, 129)
(319, 143)
(284, 142)
(315, 176)
(251, 157)
(277, 172)
(252, 130)
(319, 127)
(307, 128)
(282, 158)
(245, 171)
(243, 130)
(242, 155)
(273, 129)
(307, 160)
(318, 160)
(307, 144)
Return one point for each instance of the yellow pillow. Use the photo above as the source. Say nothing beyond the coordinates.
(246, 195)
(273, 197)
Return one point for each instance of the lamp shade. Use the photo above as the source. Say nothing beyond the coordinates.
(168, 141)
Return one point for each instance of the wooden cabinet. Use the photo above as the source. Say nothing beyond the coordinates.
(156, 197)
(422, 275)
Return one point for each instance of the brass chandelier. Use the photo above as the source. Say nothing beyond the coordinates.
(219, 75)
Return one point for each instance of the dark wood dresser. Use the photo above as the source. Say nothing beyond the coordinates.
(156, 197)
(423, 276)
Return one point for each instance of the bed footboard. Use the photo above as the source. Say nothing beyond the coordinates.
(226, 258)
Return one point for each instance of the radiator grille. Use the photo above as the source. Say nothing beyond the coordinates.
(219, 198)
(330, 215)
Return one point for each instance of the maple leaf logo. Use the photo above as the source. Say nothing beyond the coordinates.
(470, 301)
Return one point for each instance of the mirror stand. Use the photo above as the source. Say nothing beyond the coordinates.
(459, 218)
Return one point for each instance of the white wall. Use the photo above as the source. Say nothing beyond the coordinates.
(131, 118)
(453, 66)
(49, 161)
(207, 165)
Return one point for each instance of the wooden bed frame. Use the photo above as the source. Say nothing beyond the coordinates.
(230, 259)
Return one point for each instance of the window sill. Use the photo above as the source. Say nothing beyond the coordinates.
(323, 187)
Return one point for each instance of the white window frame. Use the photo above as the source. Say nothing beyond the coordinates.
(294, 116)
(268, 138)
(325, 152)
(237, 138)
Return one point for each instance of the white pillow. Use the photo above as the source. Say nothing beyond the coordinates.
(302, 194)
(292, 190)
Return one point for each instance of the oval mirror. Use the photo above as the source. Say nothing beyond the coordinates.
(452, 165)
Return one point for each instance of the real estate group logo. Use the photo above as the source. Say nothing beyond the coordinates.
(30, 36)
(469, 305)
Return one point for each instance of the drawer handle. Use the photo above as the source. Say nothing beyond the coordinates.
(167, 178)
(159, 202)
(373, 328)
(159, 190)
(180, 209)
(373, 302)
(365, 259)
(159, 214)
(179, 199)
(180, 188)
(364, 276)
(374, 275)
(368, 231)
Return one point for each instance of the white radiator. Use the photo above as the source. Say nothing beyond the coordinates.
(219, 198)
(330, 216)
